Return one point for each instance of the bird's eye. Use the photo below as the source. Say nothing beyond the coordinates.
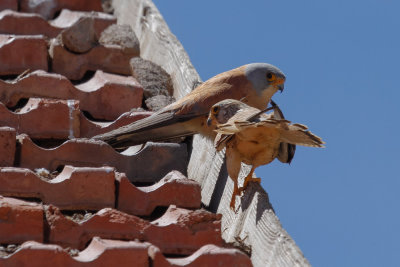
(270, 77)
(215, 110)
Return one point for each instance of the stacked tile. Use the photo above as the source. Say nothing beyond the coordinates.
(62, 80)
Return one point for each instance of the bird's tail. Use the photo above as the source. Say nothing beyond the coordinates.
(298, 134)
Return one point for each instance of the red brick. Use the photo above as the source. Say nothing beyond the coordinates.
(9, 4)
(103, 252)
(181, 231)
(141, 167)
(48, 8)
(173, 189)
(110, 95)
(20, 221)
(20, 53)
(91, 128)
(12, 22)
(68, 18)
(44, 118)
(111, 58)
(7, 146)
(208, 255)
(73, 189)
(100, 252)
(105, 96)
(106, 223)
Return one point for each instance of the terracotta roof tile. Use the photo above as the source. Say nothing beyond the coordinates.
(173, 189)
(20, 221)
(105, 96)
(50, 7)
(82, 188)
(178, 234)
(9, 4)
(110, 58)
(19, 53)
(44, 118)
(91, 153)
(7, 146)
(100, 252)
(35, 24)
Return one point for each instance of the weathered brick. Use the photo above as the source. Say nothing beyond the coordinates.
(20, 221)
(104, 96)
(73, 189)
(208, 255)
(173, 189)
(150, 165)
(7, 146)
(100, 252)
(9, 4)
(110, 58)
(182, 231)
(91, 128)
(19, 53)
(178, 231)
(44, 118)
(34, 24)
(49, 8)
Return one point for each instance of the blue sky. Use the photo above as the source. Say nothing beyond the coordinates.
(341, 58)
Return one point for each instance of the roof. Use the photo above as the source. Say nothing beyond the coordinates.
(67, 76)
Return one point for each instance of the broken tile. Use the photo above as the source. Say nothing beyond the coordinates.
(20, 221)
(19, 53)
(155, 160)
(82, 188)
(44, 118)
(105, 96)
(154, 79)
(110, 58)
(48, 8)
(7, 146)
(208, 255)
(158, 102)
(123, 36)
(173, 189)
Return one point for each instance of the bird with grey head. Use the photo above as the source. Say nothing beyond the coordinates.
(255, 83)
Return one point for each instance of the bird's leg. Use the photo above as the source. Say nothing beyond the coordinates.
(234, 194)
(249, 178)
(233, 167)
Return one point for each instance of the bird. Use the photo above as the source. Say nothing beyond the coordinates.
(253, 137)
(255, 83)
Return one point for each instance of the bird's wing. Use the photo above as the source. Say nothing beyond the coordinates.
(160, 126)
(300, 135)
(286, 151)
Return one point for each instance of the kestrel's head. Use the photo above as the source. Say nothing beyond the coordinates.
(222, 111)
(265, 78)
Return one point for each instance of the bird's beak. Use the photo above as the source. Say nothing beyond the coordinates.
(209, 120)
(279, 82)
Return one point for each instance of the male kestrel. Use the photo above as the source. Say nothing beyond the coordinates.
(256, 83)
